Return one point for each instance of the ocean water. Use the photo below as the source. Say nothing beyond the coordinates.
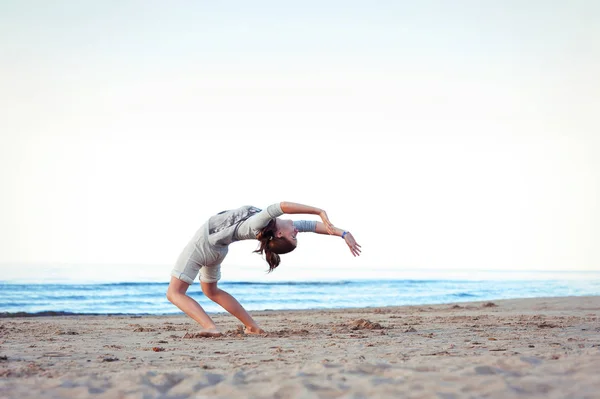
(149, 297)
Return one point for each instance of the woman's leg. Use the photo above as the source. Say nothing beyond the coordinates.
(176, 294)
(231, 305)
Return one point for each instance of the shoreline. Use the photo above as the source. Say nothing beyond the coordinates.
(61, 313)
(527, 347)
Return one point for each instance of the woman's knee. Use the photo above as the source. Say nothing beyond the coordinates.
(209, 289)
(176, 288)
(171, 295)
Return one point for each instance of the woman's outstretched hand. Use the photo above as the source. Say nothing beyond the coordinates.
(354, 247)
(328, 225)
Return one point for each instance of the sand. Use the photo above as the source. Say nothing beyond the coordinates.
(545, 347)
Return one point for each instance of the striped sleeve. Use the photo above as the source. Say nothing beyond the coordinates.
(305, 226)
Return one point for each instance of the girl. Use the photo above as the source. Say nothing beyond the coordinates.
(209, 246)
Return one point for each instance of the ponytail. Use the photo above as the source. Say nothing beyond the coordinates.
(272, 246)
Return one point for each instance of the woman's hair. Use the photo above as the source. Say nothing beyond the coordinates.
(272, 246)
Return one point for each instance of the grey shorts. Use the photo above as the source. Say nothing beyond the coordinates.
(199, 256)
(188, 273)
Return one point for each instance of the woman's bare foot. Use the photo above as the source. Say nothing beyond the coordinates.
(205, 332)
(209, 332)
(254, 330)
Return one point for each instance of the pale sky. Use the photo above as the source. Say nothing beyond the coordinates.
(443, 135)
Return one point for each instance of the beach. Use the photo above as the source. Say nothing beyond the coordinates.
(541, 347)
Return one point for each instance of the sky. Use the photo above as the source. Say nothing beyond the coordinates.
(444, 135)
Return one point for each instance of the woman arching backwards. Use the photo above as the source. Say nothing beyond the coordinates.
(207, 249)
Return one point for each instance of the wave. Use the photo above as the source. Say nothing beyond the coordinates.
(131, 298)
(464, 295)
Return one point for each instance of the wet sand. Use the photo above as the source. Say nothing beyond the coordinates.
(544, 347)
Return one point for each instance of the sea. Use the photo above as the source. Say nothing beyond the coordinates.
(137, 298)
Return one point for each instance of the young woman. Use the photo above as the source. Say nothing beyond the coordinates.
(209, 246)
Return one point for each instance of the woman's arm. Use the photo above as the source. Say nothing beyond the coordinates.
(348, 238)
(292, 208)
